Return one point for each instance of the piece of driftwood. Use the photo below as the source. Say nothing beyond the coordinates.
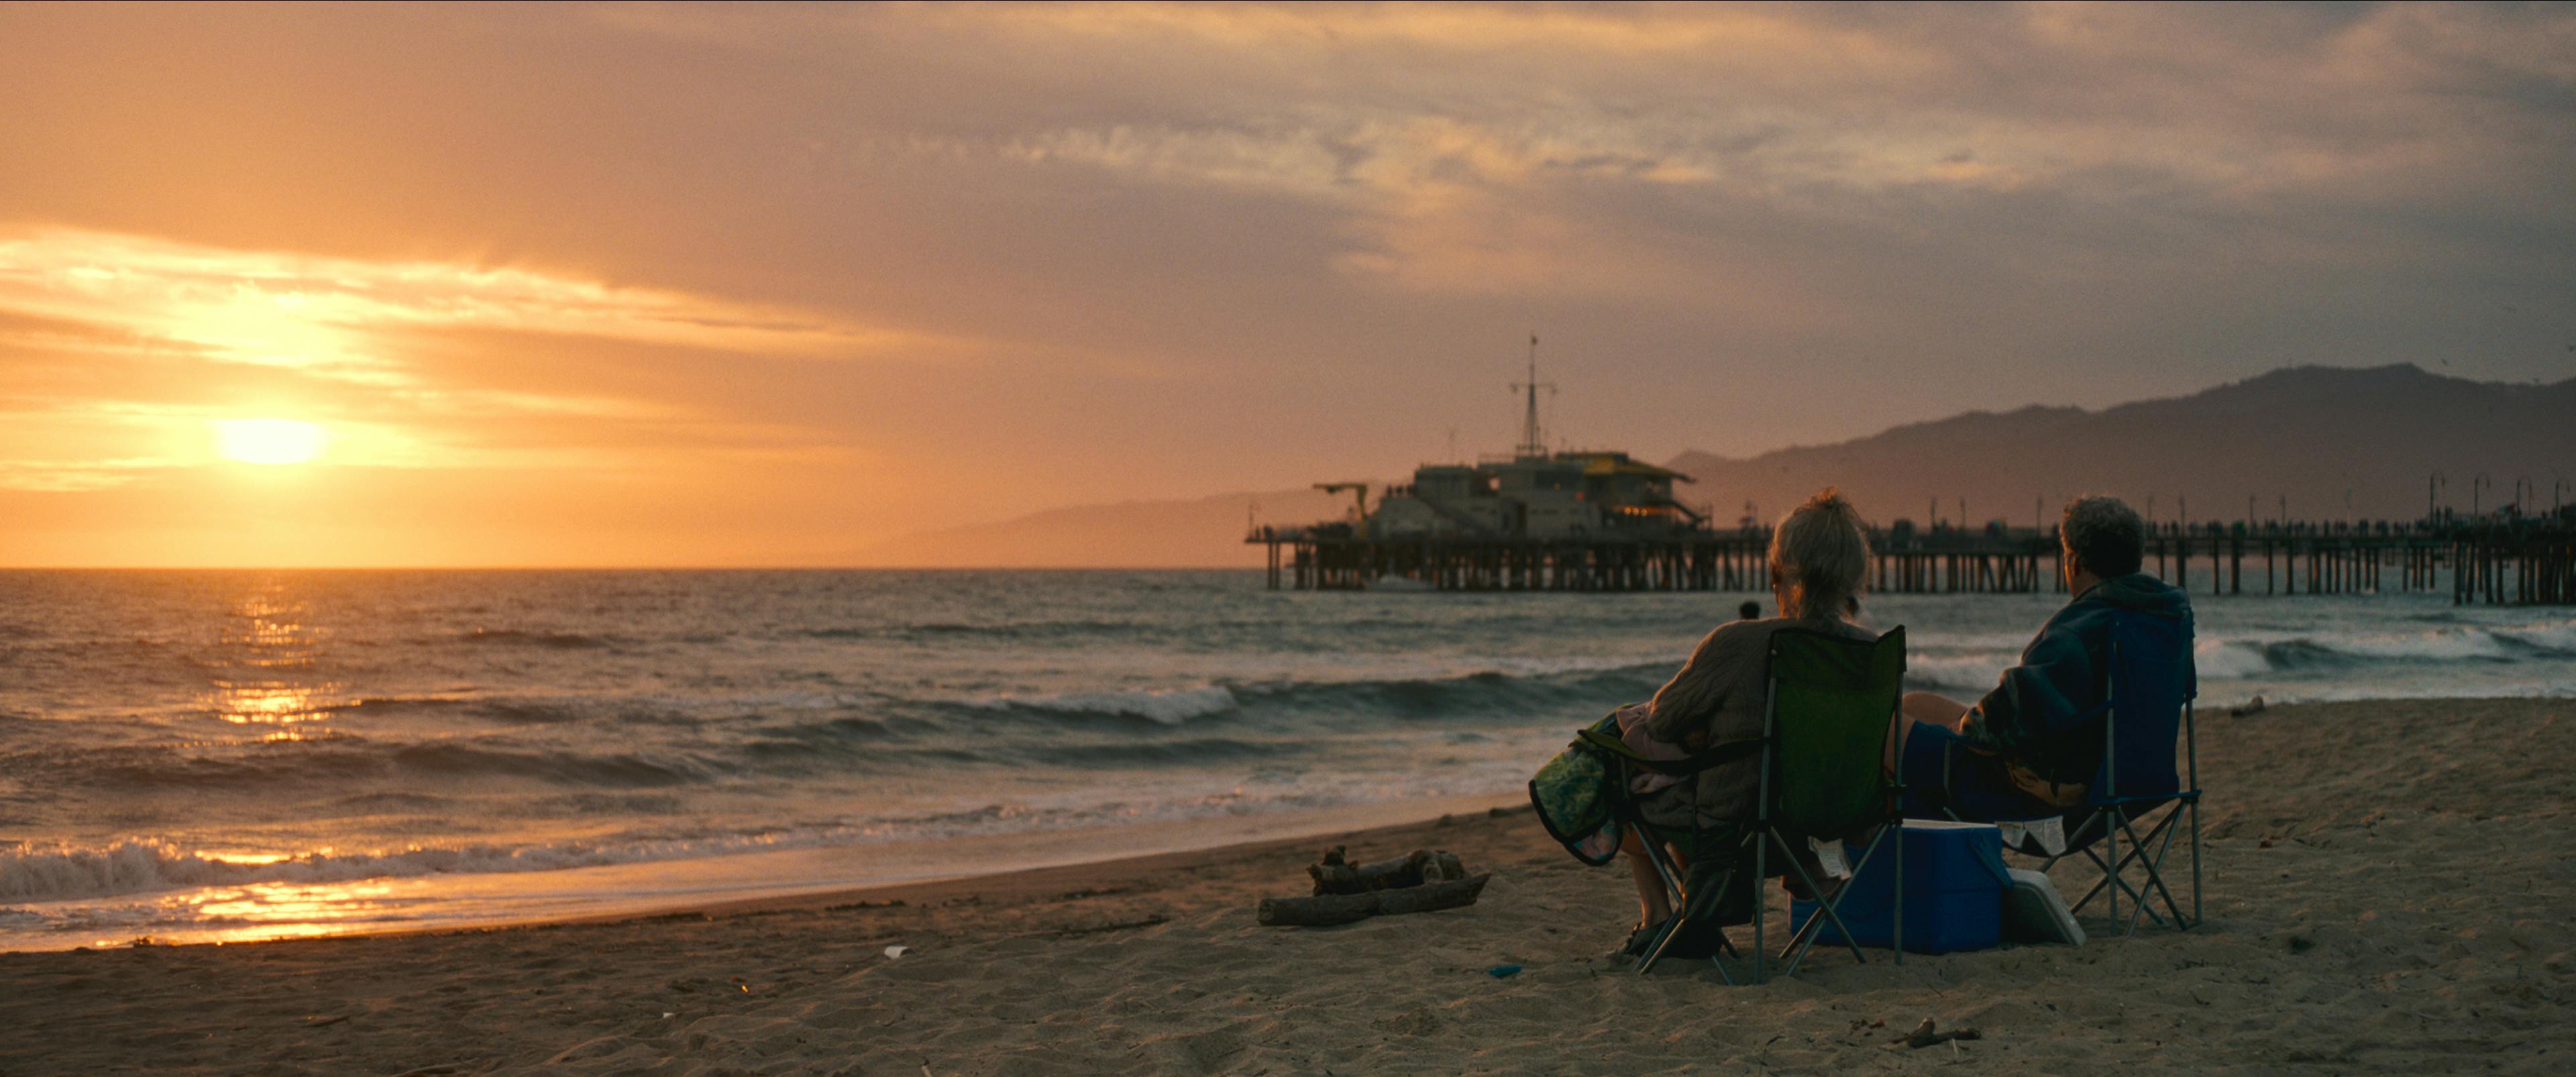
(1923, 1036)
(1326, 910)
(1335, 874)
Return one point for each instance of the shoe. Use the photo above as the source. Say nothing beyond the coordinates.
(1798, 890)
(1698, 938)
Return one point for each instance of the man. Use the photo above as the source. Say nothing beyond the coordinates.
(2018, 754)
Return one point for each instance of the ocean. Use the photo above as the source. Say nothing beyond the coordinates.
(236, 755)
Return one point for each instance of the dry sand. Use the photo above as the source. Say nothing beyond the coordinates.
(2389, 888)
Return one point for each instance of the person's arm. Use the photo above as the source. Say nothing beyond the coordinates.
(2046, 688)
(1683, 706)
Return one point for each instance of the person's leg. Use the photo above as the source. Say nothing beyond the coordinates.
(1925, 708)
(1653, 906)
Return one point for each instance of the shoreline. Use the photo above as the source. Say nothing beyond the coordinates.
(914, 865)
(2340, 938)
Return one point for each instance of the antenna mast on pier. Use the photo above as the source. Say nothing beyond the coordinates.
(1531, 444)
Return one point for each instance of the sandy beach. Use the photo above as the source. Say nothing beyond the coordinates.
(2389, 888)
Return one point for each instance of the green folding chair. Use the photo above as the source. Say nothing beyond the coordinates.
(1832, 704)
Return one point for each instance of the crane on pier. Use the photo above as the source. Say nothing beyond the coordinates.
(1361, 506)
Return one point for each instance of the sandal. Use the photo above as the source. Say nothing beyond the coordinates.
(1643, 937)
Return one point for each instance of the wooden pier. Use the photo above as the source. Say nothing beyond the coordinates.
(2526, 561)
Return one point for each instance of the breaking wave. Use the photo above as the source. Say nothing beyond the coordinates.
(1169, 707)
(134, 867)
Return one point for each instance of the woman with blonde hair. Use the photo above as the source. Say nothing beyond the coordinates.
(1819, 560)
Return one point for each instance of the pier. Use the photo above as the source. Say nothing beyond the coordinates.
(2500, 561)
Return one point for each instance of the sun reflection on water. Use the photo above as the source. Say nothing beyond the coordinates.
(271, 638)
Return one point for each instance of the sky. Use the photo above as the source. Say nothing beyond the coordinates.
(766, 285)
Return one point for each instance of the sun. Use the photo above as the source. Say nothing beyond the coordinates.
(269, 441)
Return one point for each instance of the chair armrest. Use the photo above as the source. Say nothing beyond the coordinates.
(1679, 768)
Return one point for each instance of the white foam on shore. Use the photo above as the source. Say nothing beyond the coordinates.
(278, 910)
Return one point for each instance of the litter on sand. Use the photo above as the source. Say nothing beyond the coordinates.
(897, 950)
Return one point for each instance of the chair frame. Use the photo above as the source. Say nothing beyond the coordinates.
(1766, 835)
(2112, 811)
(1673, 894)
(2107, 809)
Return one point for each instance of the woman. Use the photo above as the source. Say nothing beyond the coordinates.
(1819, 558)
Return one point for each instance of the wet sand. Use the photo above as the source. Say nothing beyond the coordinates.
(2389, 888)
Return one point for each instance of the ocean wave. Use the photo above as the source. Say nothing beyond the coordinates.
(1169, 707)
(340, 757)
(2260, 654)
(1534, 691)
(392, 703)
(1086, 629)
(1528, 686)
(132, 867)
(2549, 640)
(621, 769)
(519, 637)
(66, 872)
(2441, 645)
(2220, 659)
(1966, 672)
(1181, 751)
(149, 767)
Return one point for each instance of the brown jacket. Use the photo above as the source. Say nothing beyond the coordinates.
(1718, 698)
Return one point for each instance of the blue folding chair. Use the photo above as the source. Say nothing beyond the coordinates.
(2152, 685)
(2147, 708)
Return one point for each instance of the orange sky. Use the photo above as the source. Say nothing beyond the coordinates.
(612, 285)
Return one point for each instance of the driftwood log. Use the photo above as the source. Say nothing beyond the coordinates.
(1325, 910)
(1335, 874)
(1923, 1036)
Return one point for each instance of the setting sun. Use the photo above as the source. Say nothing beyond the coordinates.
(268, 441)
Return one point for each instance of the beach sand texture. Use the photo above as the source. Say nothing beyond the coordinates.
(2389, 888)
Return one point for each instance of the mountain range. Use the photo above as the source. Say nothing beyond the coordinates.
(2329, 443)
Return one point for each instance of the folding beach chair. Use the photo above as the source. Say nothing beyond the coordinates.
(1825, 726)
(2147, 710)
(2153, 683)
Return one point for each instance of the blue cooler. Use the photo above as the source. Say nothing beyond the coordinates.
(1954, 890)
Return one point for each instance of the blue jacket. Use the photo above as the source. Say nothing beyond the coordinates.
(2064, 673)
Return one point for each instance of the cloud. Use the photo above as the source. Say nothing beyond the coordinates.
(298, 310)
(959, 262)
(123, 340)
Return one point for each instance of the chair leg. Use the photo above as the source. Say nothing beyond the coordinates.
(1895, 828)
(1673, 893)
(1827, 910)
(2072, 840)
(2111, 873)
(1671, 930)
(1699, 906)
(1686, 908)
(2112, 865)
(1761, 910)
(2193, 805)
(2154, 883)
(2149, 854)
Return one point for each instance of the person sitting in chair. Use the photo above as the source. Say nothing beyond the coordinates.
(2023, 757)
(1819, 558)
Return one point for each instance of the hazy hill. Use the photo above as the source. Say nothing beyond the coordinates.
(1205, 531)
(2307, 432)
(2310, 433)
